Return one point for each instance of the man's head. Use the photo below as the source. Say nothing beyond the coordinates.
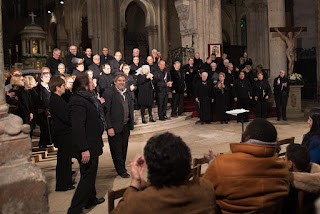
(136, 52)
(204, 76)
(209, 60)
(119, 80)
(191, 61)
(177, 65)
(136, 60)
(224, 56)
(154, 53)
(197, 56)
(213, 66)
(88, 52)
(230, 67)
(226, 62)
(80, 67)
(126, 69)
(106, 68)
(241, 75)
(168, 159)
(61, 68)
(150, 60)
(282, 73)
(56, 53)
(73, 49)
(57, 85)
(83, 83)
(105, 51)
(162, 65)
(298, 158)
(261, 130)
(118, 56)
(96, 59)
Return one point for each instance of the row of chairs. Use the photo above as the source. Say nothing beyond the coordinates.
(113, 195)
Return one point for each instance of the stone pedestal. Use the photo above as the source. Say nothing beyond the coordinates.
(294, 102)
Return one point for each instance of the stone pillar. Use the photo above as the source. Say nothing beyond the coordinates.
(31, 47)
(216, 31)
(277, 47)
(24, 47)
(152, 37)
(44, 46)
(41, 47)
(317, 14)
(164, 26)
(258, 33)
(22, 185)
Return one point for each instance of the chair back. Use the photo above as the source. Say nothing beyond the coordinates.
(114, 195)
(280, 143)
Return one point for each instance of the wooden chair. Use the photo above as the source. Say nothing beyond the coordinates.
(284, 142)
(198, 161)
(114, 195)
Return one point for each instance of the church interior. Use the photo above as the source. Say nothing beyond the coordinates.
(178, 29)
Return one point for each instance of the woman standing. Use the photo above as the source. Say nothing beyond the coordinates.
(145, 95)
(30, 84)
(43, 111)
(222, 92)
(131, 83)
(262, 92)
(311, 139)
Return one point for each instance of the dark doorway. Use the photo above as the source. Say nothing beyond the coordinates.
(135, 34)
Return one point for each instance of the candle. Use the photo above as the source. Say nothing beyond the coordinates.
(9, 51)
(17, 48)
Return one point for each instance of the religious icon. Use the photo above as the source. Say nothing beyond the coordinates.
(214, 49)
(35, 47)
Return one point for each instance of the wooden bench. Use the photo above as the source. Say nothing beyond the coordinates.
(44, 154)
(280, 143)
(37, 157)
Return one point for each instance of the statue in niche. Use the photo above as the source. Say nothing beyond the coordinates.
(290, 52)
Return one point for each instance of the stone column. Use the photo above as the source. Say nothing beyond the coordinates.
(277, 47)
(22, 185)
(24, 47)
(216, 31)
(31, 47)
(164, 26)
(44, 46)
(41, 47)
(258, 33)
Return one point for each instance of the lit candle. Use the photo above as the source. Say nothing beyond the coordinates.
(17, 48)
(9, 51)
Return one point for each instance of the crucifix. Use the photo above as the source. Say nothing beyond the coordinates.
(290, 42)
(32, 17)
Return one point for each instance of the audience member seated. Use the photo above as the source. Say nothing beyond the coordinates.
(168, 159)
(305, 176)
(311, 139)
(252, 179)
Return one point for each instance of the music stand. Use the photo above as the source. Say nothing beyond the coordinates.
(237, 112)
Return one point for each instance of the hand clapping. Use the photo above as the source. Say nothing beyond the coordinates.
(137, 168)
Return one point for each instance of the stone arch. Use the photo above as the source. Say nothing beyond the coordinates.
(228, 25)
(151, 22)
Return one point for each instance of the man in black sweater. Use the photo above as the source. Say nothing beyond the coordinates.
(281, 92)
(53, 62)
(105, 58)
(96, 66)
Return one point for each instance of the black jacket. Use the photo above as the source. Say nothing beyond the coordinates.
(262, 89)
(71, 65)
(115, 65)
(113, 109)
(96, 69)
(160, 82)
(60, 119)
(280, 89)
(53, 63)
(242, 89)
(87, 61)
(145, 93)
(105, 81)
(105, 59)
(24, 104)
(178, 81)
(44, 97)
(86, 130)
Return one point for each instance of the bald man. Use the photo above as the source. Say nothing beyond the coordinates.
(96, 67)
(117, 63)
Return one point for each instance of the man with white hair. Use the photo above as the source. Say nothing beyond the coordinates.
(96, 67)
(155, 57)
(105, 58)
(72, 59)
(136, 53)
(178, 88)
(117, 63)
(54, 61)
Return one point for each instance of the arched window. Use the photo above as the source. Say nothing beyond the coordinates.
(243, 27)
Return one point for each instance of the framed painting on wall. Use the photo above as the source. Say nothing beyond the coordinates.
(215, 48)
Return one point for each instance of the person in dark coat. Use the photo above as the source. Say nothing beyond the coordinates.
(88, 124)
(72, 59)
(43, 111)
(247, 60)
(69, 84)
(189, 73)
(178, 88)
(262, 93)
(96, 66)
(136, 53)
(162, 79)
(61, 133)
(53, 62)
(105, 80)
(197, 62)
(214, 73)
(78, 70)
(88, 59)
(281, 92)
(207, 65)
(242, 94)
(105, 58)
(197, 78)
(61, 70)
(222, 98)
(117, 63)
(249, 74)
(135, 65)
(204, 98)
(146, 89)
(131, 82)
(153, 66)
(119, 116)
(223, 66)
(241, 66)
(30, 84)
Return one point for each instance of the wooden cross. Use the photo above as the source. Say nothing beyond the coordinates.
(32, 17)
(289, 29)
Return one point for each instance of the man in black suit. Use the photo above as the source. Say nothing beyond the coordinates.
(88, 124)
(119, 117)
(54, 61)
(162, 79)
(61, 132)
(117, 63)
(88, 59)
(95, 67)
(72, 59)
(178, 88)
(105, 58)
(136, 53)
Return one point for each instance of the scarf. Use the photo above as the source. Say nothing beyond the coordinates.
(259, 142)
(93, 99)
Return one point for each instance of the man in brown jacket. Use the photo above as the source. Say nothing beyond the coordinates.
(168, 160)
(252, 179)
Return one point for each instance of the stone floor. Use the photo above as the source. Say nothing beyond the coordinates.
(199, 138)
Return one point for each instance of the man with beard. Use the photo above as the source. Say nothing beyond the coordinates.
(119, 117)
(280, 86)
(189, 72)
(53, 62)
(117, 63)
(72, 59)
(95, 67)
(162, 79)
(105, 58)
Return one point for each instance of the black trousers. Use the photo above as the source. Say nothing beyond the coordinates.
(86, 190)
(245, 104)
(177, 103)
(261, 108)
(162, 104)
(44, 123)
(118, 148)
(143, 109)
(64, 162)
(281, 106)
